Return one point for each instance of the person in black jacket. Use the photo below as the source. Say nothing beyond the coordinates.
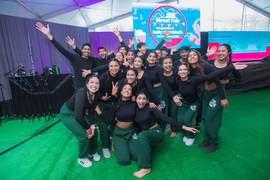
(73, 116)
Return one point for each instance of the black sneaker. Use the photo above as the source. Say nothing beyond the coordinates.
(203, 144)
(197, 124)
(212, 148)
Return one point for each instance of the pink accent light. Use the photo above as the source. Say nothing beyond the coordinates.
(249, 56)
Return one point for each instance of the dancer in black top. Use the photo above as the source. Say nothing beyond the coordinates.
(72, 115)
(124, 134)
(144, 80)
(152, 133)
(78, 62)
(161, 87)
(170, 77)
(107, 80)
(191, 101)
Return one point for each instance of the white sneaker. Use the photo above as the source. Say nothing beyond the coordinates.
(85, 162)
(185, 139)
(106, 152)
(96, 156)
(190, 141)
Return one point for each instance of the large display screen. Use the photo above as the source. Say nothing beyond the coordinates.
(246, 45)
(151, 20)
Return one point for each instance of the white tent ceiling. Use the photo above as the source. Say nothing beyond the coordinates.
(91, 13)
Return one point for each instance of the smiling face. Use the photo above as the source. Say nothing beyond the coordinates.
(192, 57)
(131, 77)
(151, 59)
(102, 53)
(138, 63)
(123, 50)
(167, 65)
(93, 85)
(113, 68)
(222, 53)
(119, 57)
(184, 54)
(142, 49)
(130, 57)
(126, 91)
(141, 100)
(86, 51)
(183, 71)
(164, 53)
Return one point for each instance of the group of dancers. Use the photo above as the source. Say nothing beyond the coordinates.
(136, 93)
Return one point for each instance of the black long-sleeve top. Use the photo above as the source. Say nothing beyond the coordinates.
(125, 113)
(78, 62)
(106, 80)
(156, 76)
(188, 88)
(146, 117)
(97, 62)
(145, 82)
(208, 68)
(79, 103)
(171, 80)
(236, 73)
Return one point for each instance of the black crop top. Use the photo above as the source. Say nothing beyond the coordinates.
(125, 113)
(208, 68)
(146, 117)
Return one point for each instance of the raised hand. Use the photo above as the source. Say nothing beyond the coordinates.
(106, 97)
(71, 42)
(167, 33)
(125, 63)
(132, 41)
(115, 31)
(42, 28)
(238, 66)
(139, 53)
(114, 88)
(85, 72)
(152, 105)
(110, 52)
(211, 51)
(174, 49)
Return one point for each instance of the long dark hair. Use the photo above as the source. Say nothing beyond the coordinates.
(178, 77)
(108, 72)
(228, 47)
(86, 89)
(151, 52)
(200, 62)
(120, 97)
(143, 61)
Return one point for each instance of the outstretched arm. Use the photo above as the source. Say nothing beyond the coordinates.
(166, 34)
(46, 30)
(71, 42)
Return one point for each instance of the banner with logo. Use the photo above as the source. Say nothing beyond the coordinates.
(150, 21)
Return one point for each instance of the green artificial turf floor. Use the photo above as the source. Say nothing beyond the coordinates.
(244, 151)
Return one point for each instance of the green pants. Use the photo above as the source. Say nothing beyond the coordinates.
(163, 98)
(86, 146)
(173, 110)
(125, 142)
(211, 115)
(146, 140)
(103, 128)
(185, 115)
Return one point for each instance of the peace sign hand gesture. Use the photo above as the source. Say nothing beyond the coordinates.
(106, 97)
(114, 88)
